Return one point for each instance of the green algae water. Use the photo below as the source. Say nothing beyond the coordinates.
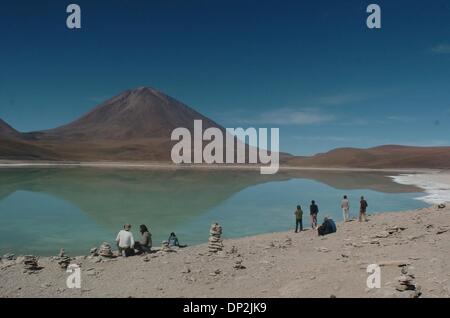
(45, 209)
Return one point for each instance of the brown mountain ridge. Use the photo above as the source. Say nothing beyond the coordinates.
(136, 126)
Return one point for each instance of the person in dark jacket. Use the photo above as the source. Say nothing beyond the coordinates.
(313, 211)
(328, 226)
(362, 210)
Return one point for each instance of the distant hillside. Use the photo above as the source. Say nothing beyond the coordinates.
(7, 132)
(12, 149)
(389, 156)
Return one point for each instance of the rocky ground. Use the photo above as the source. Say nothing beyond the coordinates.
(411, 248)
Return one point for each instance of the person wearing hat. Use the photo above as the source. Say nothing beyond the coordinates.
(125, 241)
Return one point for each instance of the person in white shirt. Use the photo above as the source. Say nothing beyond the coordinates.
(345, 205)
(125, 241)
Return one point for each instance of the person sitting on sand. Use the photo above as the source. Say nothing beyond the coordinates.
(345, 206)
(362, 210)
(145, 244)
(173, 240)
(313, 211)
(125, 241)
(328, 226)
(298, 219)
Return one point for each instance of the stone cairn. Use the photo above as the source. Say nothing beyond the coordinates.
(406, 282)
(30, 263)
(215, 241)
(63, 259)
(105, 250)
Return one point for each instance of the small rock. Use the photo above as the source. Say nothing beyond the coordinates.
(93, 251)
(322, 249)
(382, 234)
(233, 250)
(9, 257)
(96, 259)
(238, 265)
(442, 230)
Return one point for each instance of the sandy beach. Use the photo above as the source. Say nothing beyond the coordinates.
(284, 264)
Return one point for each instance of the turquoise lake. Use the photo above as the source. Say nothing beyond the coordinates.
(45, 209)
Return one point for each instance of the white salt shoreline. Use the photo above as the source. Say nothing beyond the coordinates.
(165, 165)
(436, 185)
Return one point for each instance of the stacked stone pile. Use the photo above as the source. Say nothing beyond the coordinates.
(105, 250)
(30, 263)
(215, 243)
(406, 283)
(63, 259)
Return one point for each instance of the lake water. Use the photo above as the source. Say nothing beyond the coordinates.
(45, 209)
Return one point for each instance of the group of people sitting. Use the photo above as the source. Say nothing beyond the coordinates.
(128, 246)
(328, 226)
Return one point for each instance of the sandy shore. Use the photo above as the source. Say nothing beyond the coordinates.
(276, 265)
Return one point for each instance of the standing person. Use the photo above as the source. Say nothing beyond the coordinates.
(362, 210)
(345, 206)
(145, 244)
(313, 211)
(298, 218)
(125, 241)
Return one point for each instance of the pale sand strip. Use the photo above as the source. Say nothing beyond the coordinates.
(166, 165)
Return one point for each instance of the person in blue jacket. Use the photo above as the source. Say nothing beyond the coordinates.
(328, 226)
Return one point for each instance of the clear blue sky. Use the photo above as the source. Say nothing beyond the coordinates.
(311, 68)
